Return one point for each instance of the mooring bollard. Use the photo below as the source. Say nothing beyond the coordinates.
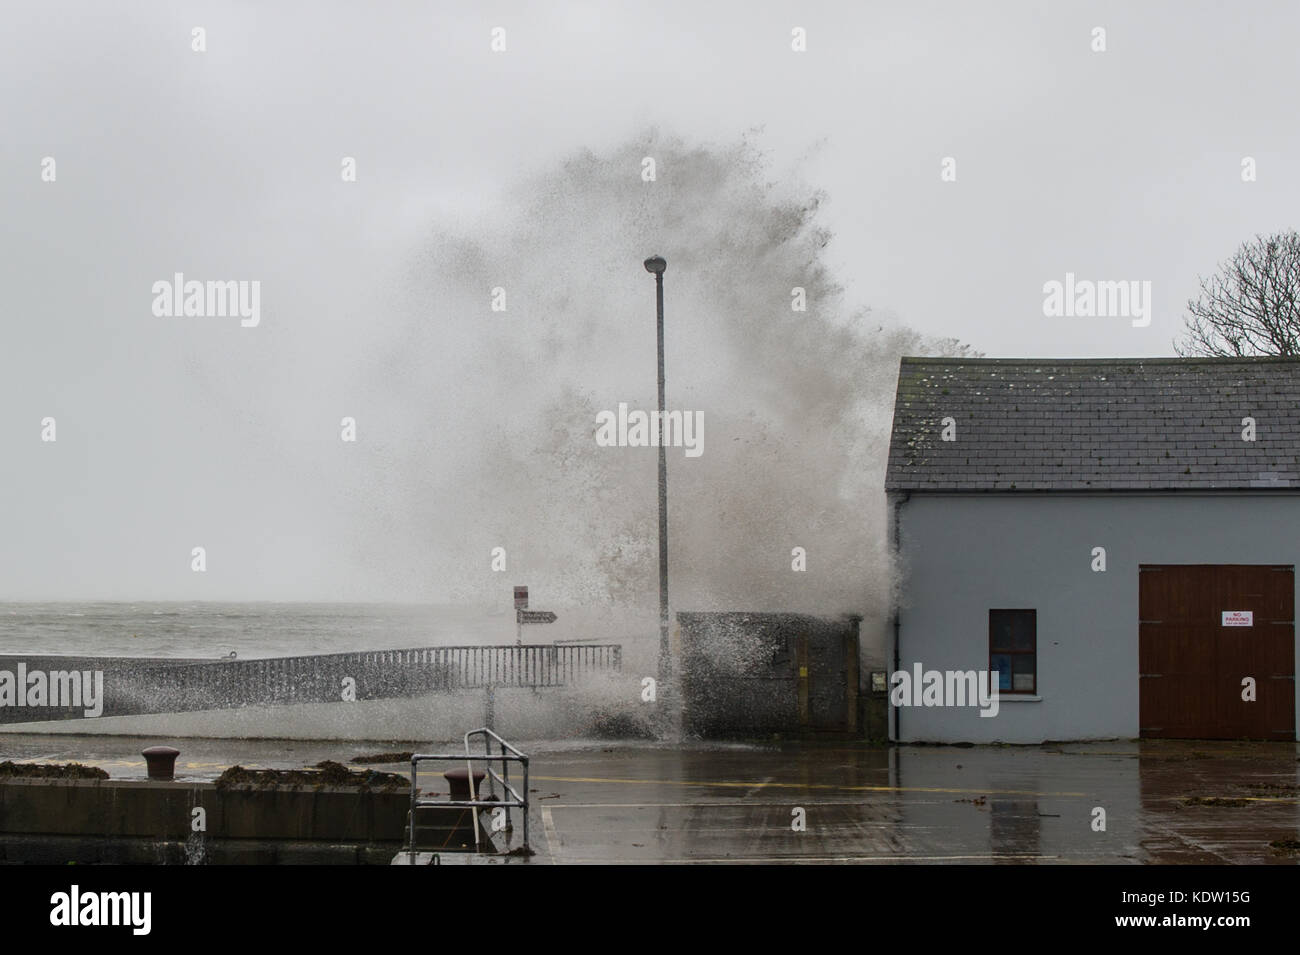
(161, 761)
(458, 783)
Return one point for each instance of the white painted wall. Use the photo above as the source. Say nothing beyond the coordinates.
(963, 555)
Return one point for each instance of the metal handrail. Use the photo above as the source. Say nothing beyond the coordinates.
(507, 755)
(138, 685)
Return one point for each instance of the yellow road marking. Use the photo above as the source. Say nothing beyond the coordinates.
(801, 786)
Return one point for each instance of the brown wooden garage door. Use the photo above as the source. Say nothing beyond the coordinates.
(1191, 664)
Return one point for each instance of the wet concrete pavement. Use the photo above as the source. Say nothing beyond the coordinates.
(603, 802)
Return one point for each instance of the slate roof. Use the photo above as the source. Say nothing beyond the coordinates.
(1095, 424)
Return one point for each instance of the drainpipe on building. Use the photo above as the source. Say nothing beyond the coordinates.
(899, 501)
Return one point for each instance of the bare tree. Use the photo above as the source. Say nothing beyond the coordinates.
(1251, 306)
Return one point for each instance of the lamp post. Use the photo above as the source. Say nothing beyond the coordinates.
(657, 266)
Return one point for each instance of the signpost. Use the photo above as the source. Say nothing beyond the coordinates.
(536, 616)
(523, 615)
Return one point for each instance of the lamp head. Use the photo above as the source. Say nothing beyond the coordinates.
(656, 264)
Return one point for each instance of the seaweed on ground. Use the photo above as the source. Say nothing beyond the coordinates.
(1215, 801)
(11, 770)
(1275, 789)
(382, 758)
(325, 773)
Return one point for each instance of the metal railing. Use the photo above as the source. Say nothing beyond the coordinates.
(134, 686)
(510, 798)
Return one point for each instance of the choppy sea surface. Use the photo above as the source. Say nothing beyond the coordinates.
(253, 629)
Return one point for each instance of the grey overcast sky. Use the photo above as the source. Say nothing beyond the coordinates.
(225, 164)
